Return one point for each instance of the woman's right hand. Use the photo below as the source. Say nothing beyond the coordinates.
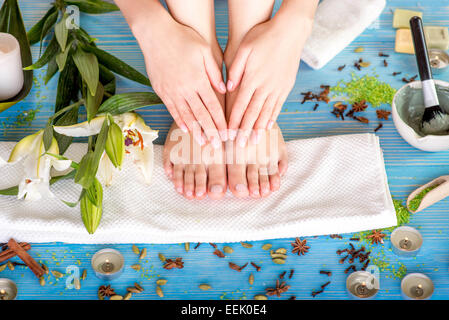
(184, 74)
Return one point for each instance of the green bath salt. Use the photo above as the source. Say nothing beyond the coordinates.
(416, 201)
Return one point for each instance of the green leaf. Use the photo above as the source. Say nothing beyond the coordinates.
(93, 102)
(68, 118)
(68, 86)
(11, 22)
(93, 6)
(48, 135)
(118, 66)
(107, 78)
(34, 34)
(52, 68)
(126, 102)
(61, 57)
(91, 211)
(49, 53)
(48, 24)
(13, 191)
(62, 33)
(87, 65)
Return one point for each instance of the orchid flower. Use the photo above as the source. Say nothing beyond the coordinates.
(35, 183)
(138, 142)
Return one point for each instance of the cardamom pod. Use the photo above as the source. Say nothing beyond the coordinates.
(3, 267)
(143, 253)
(136, 249)
(116, 297)
(57, 274)
(159, 291)
(45, 268)
(251, 279)
(133, 290)
(138, 286)
(161, 282)
(267, 246)
(359, 49)
(365, 64)
(115, 145)
(204, 286)
(127, 296)
(246, 245)
(162, 257)
(10, 265)
(281, 250)
(187, 246)
(279, 261)
(228, 249)
(84, 275)
(136, 267)
(42, 281)
(260, 297)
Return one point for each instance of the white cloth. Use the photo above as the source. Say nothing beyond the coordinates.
(337, 23)
(333, 185)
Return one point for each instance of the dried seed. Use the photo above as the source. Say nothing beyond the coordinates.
(213, 245)
(57, 274)
(359, 49)
(292, 271)
(45, 268)
(281, 250)
(133, 290)
(77, 283)
(365, 64)
(379, 126)
(100, 296)
(42, 281)
(162, 257)
(204, 287)
(143, 253)
(278, 255)
(282, 275)
(260, 297)
(187, 246)
(84, 274)
(138, 287)
(256, 266)
(3, 267)
(116, 297)
(267, 246)
(228, 249)
(136, 249)
(161, 282)
(341, 67)
(251, 279)
(246, 245)
(10, 265)
(127, 296)
(279, 261)
(136, 267)
(159, 291)
(218, 253)
(385, 63)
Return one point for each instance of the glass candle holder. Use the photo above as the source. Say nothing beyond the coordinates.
(108, 264)
(406, 241)
(362, 285)
(8, 289)
(439, 61)
(417, 286)
(11, 75)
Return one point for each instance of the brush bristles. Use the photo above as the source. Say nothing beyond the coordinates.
(431, 113)
(435, 121)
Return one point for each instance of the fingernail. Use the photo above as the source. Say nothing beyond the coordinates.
(201, 140)
(240, 187)
(179, 189)
(189, 193)
(215, 142)
(199, 193)
(222, 87)
(270, 124)
(224, 135)
(184, 128)
(255, 137)
(230, 85)
(242, 141)
(232, 134)
(216, 189)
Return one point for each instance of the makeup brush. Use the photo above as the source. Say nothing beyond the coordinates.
(435, 119)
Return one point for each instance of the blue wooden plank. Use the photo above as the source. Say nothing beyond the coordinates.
(407, 168)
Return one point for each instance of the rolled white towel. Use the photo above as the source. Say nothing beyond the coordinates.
(337, 23)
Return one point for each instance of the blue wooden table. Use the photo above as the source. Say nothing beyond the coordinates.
(407, 169)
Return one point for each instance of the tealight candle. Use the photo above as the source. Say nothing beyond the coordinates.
(8, 289)
(11, 75)
(362, 285)
(406, 241)
(439, 61)
(108, 264)
(417, 286)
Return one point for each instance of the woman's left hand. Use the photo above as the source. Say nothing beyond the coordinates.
(265, 68)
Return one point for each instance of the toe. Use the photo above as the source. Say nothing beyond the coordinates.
(168, 166)
(217, 181)
(264, 182)
(238, 183)
(275, 180)
(200, 181)
(189, 181)
(253, 181)
(178, 177)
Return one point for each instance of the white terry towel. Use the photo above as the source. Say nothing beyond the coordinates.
(337, 23)
(333, 185)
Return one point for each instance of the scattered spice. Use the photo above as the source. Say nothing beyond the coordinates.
(84, 275)
(351, 267)
(136, 250)
(218, 253)
(383, 114)
(159, 292)
(251, 279)
(136, 267)
(416, 201)
(359, 106)
(187, 246)
(300, 246)
(292, 271)
(323, 286)
(322, 96)
(341, 67)
(197, 245)
(315, 293)
(315, 106)
(256, 266)
(128, 296)
(281, 276)
(162, 257)
(116, 297)
(161, 282)
(106, 291)
(246, 245)
(410, 79)
(177, 263)
(213, 245)
(267, 246)
(279, 256)
(362, 120)
(228, 249)
(381, 54)
(385, 63)
(143, 253)
(376, 236)
(379, 126)
(328, 273)
(354, 239)
(359, 49)
(260, 297)
(396, 73)
(204, 287)
(278, 290)
(364, 64)
(236, 267)
(335, 236)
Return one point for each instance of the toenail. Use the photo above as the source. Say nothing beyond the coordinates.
(215, 143)
(189, 193)
(216, 189)
(256, 192)
(265, 190)
(224, 135)
(232, 134)
(199, 193)
(242, 141)
(179, 189)
(240, 187)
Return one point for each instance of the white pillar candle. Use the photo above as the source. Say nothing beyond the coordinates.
(11, 73)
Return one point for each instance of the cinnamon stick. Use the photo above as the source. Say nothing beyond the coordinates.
(26, 258)
(8, 253)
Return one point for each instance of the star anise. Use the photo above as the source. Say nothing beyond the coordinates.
(376, 237)
(300, 246)
(383, 114)
(177, 263)
(359, 106)
(106, 291)
(280, 288)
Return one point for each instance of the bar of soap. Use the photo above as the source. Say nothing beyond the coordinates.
(401, 17)
(436, 38)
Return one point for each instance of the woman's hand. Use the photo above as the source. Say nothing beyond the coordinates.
(182, 71)
(265, 68)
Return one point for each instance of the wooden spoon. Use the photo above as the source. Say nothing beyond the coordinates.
(438, 193)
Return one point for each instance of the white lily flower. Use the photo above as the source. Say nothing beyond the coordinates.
(138, 142)
(2, 162)
(35, 183)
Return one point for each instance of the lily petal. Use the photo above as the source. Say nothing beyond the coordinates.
(144, 160)
(105, 170)
(83, 129)
(25, 146)
(2, 162)
(34, 189)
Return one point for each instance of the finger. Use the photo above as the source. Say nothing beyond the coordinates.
(204, 118)
(235, 72)
(266, 113)
(250, 117)
(276, 111)
(213, 71)
(190, 120)
(239, 108)
(212, 104)
(171, 107)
